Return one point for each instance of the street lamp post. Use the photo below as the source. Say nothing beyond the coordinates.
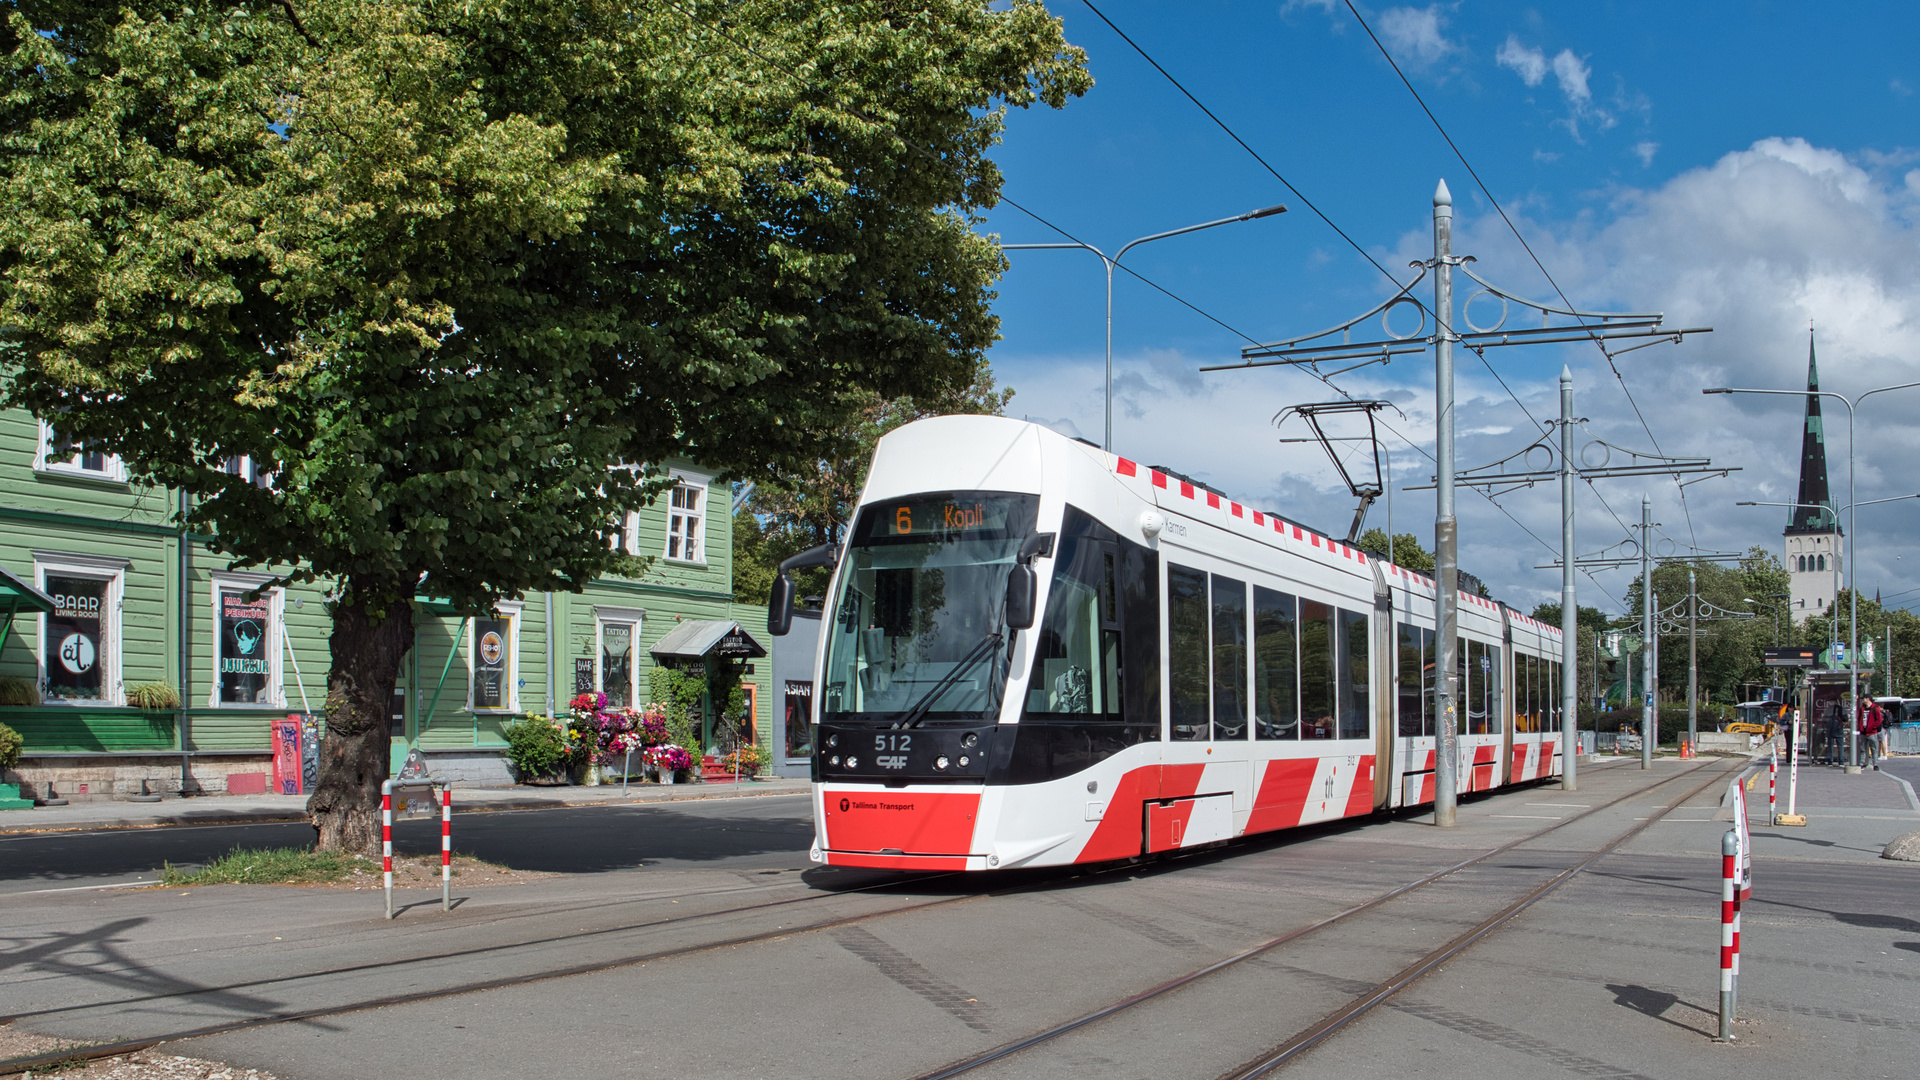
(1106, 443)
(1853, 599)
(1853, 585)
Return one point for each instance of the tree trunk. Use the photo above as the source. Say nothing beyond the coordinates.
(367, 650)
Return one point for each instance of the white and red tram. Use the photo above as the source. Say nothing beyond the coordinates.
(1038, 653)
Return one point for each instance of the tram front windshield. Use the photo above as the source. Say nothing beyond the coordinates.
(919, 634)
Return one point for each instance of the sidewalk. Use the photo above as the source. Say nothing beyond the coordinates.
(237, 809)
(1849, 818)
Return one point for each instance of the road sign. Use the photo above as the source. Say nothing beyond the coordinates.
(1788, 656)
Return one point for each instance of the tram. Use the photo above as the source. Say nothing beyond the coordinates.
(1037, 653)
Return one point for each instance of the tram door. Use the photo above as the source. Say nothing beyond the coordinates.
(1386, 698)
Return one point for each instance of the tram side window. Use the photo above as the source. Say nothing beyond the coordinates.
(1533, 693)
(1187, 647)
(1355, 716)
(1229, 658)
(1276, 666)
(1318, 689)
(1463, 675)
(1076, 663)
(1140, 661)
(1411, 679)
(1552, 710)
(1493, 700)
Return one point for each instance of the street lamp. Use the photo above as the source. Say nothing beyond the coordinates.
(1853, 584)
(1265, 211)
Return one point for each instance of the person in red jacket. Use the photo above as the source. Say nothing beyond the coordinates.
(1872, 722)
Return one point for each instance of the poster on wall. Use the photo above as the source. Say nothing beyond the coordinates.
(490, 664)
(289, 774)
(798, 707)
(76, 630)
(244, 648)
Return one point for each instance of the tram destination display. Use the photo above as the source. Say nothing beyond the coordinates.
(941, 516)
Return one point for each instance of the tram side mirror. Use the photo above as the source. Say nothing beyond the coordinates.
(780, 606)
(780, 602)
(1023, 584)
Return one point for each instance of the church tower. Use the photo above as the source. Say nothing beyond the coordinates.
(1813, 531)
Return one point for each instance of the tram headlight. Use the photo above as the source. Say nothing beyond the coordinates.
(963, 761)
(833, 740)
(969, 740)
(940, 762)
(834, 760)
(853, 762)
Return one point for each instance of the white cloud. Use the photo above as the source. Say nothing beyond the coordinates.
(1529, 63)
(1645, 151)
(1572, 73)
(1545, 157)
(1415, 33)
(1754, 245)
(1900, 88)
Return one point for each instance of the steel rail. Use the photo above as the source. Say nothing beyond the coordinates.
(1009, 1049)
(1333, 1022)
(128, 1046)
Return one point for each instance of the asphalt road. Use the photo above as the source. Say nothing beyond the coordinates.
(745, 834)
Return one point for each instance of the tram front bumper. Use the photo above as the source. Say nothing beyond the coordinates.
(894, 829)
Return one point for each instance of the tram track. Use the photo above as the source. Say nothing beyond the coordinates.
(1333, 1022)
(126, 1046)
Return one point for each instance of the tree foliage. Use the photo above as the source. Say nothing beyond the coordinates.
(435, 267)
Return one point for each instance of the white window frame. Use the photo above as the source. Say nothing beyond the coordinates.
(698, 484)
(509, 610)
(232, 581)
(44, 461)
(603, 615)
(114, 572)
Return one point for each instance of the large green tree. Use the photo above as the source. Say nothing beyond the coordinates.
(439, 267)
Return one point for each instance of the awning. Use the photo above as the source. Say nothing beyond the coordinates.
(17, 595)
(697, 639)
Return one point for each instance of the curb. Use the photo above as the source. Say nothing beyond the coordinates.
(277, 817)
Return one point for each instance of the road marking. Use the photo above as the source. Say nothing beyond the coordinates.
(1563, 805)
(1533, 817)
(82, 888)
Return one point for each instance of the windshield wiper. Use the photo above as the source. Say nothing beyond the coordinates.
(987, 646)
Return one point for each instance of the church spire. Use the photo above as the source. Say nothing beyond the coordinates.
(1813, 464)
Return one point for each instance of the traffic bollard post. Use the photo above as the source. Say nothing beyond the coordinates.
(386, 840)
(446, 848)
(1729, 932)
(1773, 770)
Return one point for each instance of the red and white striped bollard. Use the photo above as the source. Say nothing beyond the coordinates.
(446, 848)
(386, 840)
(1729, 928)
(1773, 777)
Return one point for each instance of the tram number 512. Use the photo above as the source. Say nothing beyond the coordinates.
(892, 743)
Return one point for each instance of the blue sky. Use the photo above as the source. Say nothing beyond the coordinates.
(1751, 167)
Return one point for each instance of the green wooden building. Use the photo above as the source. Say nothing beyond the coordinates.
(154, 670)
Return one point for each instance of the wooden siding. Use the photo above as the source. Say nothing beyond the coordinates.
(53, 513)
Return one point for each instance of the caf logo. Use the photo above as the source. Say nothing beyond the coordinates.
(844, 804)
(491, 648)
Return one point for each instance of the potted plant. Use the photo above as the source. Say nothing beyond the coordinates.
(746, 759)
(670, 760)
(537, 749)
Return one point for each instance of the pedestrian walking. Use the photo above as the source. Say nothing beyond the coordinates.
(1873, 722)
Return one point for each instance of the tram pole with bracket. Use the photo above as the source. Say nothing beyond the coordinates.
(1648, 630)
(1569, 600)
(1445, 527)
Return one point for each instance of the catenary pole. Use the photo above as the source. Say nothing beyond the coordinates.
(1569, 610)
(1445, 528)
(1693, 662)
(1647, 632)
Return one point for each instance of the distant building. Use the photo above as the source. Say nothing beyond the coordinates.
(1813, 539)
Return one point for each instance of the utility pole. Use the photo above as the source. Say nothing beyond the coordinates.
(1647, 631)
(1445, 527)
(1693, 661)
(1558, 326)
(1569, 601)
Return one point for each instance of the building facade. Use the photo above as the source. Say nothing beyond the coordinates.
(157, 672)
(1813, 538)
